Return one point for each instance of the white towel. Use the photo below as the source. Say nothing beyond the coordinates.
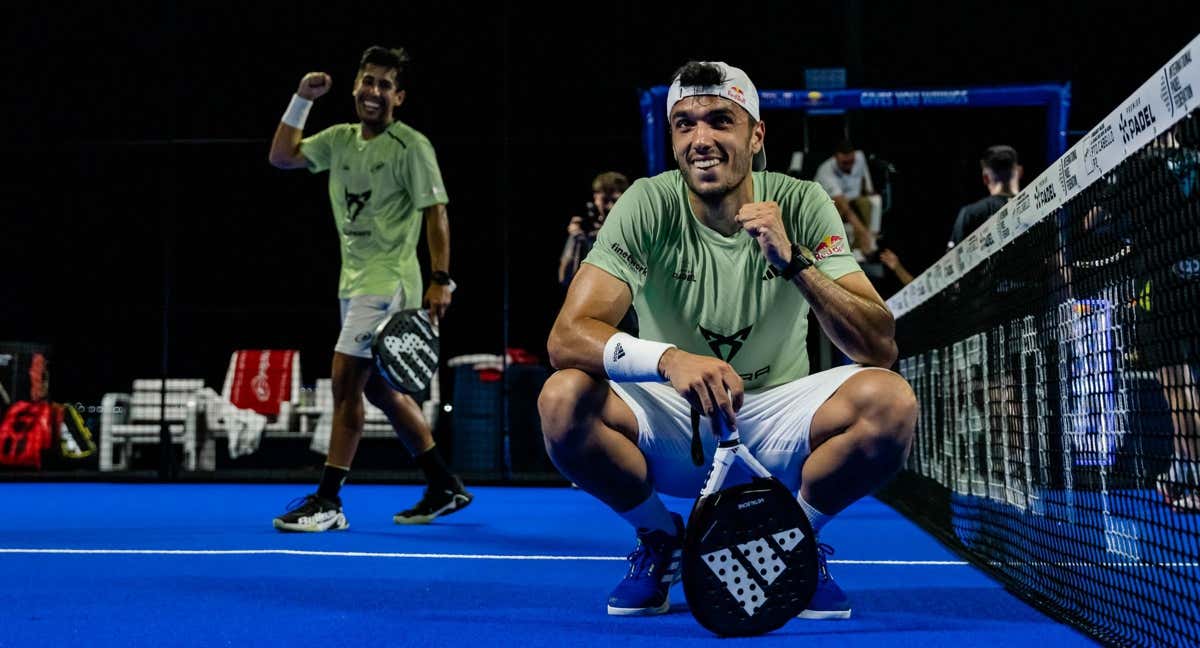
(243, 427)
(320, 439)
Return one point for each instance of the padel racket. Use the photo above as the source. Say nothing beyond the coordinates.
(749, 554)
(405, 349)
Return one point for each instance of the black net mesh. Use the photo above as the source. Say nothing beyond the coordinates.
(1059, 436)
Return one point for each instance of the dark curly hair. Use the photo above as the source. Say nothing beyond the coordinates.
(396, 59)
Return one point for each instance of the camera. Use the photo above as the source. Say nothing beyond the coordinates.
(592, 218)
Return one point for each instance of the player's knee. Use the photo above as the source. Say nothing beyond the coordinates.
(889, 414)
(345, 389)
(904, 413)
(562, 404)
(349, 414)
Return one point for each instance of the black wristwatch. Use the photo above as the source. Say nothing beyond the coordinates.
(440, 277)
(802, 258)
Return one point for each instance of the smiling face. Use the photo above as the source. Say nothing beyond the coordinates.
(376, 96)
(714, 141)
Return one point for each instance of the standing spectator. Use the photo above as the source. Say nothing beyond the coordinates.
(1002, 177)
(581, 232)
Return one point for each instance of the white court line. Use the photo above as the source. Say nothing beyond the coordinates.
(443, 556)
(370, 554)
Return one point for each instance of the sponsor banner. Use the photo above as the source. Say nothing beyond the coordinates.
(1180, 82)
(1142, 117)
(1071, 179)
(969, 251)
(1046, 195)
(947, 271)
(959, 262)
(1023, 213)
(989, 242)
(1102, 149)
(1003, 224)
(1167, 97)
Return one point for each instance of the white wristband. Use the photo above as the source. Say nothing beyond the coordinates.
(297, 112)
(629, 359)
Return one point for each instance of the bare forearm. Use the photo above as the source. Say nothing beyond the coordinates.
(863, 329)
(437, 232)
(285, 148)
(579, 344)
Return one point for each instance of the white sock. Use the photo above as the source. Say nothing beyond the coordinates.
(816, 518)
(651, 514)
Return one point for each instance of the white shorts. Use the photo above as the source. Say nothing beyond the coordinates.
(773, 424)
(360, 317)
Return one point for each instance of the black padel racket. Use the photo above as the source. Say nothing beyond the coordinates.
(405, 350)
(749, 555)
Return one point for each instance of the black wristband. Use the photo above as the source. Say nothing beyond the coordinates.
(440, 277)
(802, 258)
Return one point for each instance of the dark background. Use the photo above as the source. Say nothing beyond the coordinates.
(136, 135)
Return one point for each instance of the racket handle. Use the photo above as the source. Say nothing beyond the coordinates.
(721, 429)
(722, 460)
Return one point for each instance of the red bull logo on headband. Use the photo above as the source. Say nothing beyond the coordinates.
(832, 245)
(737, 94)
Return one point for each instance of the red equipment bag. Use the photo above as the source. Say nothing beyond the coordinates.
(25, 432)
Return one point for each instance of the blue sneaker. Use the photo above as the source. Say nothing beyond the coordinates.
(654, 566)
(829, 602)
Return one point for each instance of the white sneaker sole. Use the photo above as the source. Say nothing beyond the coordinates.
(338, 523)
(451, 507)
(824, 615)
(662, 609)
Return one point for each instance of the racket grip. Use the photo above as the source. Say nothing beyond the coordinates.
(721, 429)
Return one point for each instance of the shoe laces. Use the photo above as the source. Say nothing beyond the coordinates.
(302, 502)
(638, 559)
(824, 551)
(642, 558)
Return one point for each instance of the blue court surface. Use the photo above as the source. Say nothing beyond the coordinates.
(200, 565)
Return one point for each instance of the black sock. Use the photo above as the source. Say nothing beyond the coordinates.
(436, 472)
(331, 481)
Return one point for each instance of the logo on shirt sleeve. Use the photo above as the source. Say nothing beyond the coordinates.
(631, 260)
(831, 245)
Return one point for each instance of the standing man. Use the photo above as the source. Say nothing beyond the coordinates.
(581, 231)
(723, 265)
(1001, 175)
(384, 182)
(847, 179)
(607, 188)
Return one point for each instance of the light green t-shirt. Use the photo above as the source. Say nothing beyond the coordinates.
(378, 188)
(715, 295)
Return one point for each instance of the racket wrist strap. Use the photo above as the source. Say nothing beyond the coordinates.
(630, 359)
(697, 445)
(297, 112)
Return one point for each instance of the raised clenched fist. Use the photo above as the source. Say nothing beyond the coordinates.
(313, 85)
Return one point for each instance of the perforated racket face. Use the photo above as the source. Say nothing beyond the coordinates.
(749, 559)
(406, 350)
